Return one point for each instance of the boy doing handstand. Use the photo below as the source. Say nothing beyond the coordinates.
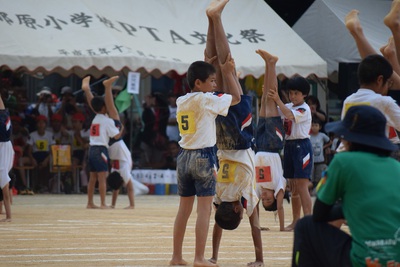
(270, 136)
(235, 189)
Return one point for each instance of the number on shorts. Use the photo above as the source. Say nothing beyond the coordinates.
(226, 172)
(263, 174)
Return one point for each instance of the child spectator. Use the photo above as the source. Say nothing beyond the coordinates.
(60, 133)
(39, 152)
(271, 184)
(80, 143)
(298, 154)
(102, 129)
(6, 159)
(319, 142)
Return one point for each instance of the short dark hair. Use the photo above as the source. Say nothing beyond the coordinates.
(315, 119)
(199, 70)
(371, 67)
(114, 180)
(226, 217)
(298, 83)
(272, 207)
(97, 103)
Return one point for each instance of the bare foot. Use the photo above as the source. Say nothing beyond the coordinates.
(108, 83)
(180, 262)
(215, 8)
(204, 263)
(268, 58)
(352, 22)
(92, 206)
(85, 83)
(6, 220)
(129, 208)
(105, 207)
(264, 228)
(255, 264)
(392, 19)
(212, 260)
(291, 226)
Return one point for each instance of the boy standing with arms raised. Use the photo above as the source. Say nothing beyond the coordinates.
(101, 130)
(196, 163)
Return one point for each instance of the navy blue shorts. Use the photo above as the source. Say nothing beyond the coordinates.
(98, 159)
(196, 171)
(40, 156)
(297, 159)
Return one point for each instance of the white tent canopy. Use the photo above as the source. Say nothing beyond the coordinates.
(322, 27)
(150, 36)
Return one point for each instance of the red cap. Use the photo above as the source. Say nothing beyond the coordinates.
(56, 117)
(79, 117)
(41, 118)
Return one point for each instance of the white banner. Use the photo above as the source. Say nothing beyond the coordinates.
(147, 36)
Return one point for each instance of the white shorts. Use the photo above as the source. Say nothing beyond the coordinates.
(6, 162)
(124, 168)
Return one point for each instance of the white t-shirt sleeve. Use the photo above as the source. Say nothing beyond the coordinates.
(219, 104)
(111, 129)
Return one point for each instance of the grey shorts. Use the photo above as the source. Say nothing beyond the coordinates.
(196, 171)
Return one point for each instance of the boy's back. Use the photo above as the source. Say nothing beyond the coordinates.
(196, 113)
(101, 130)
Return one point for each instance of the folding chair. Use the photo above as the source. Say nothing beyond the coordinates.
(60, 161)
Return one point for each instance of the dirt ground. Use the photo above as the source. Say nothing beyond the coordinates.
(57, 230)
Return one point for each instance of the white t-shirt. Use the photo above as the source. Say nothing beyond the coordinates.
(119, 151)
(385, 104)
(41, 143)
(196, 113)
(300, 127)
(101, 130)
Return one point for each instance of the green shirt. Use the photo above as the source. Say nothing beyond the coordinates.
(369, 187)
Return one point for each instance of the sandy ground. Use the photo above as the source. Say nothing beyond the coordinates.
(57, 230)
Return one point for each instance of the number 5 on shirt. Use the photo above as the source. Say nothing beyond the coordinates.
(186, 122)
